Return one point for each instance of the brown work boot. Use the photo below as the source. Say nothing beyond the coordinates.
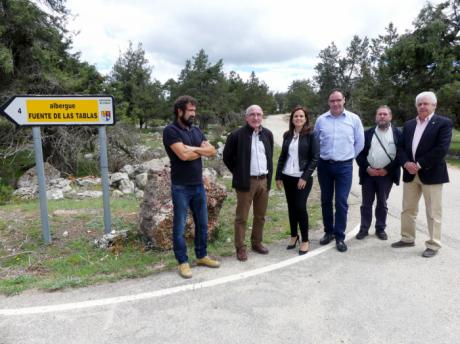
(241, 254)
(185, 271)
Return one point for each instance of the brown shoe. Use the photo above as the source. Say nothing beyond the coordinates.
(400, 243)
(259, 248)
(241, 254)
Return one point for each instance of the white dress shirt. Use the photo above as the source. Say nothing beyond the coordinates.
(258, 157)
(291, 167)
(377, 157)
(419, 129)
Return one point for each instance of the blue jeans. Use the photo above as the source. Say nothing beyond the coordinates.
(193, 197)
(335, 177)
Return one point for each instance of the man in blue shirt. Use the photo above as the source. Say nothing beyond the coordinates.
(185, 145)
(341, 137)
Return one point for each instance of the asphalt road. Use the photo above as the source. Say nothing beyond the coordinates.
(370, 294)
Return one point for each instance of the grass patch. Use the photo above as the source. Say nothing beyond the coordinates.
(72, 260)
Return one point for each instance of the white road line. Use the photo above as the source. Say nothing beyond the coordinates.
(170, 291)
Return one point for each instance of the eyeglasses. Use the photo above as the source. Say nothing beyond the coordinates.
(255, 114)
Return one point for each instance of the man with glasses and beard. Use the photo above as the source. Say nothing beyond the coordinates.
(185, 144)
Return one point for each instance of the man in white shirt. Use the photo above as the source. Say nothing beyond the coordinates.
(425, 143)
(378, 169)
(248, 154)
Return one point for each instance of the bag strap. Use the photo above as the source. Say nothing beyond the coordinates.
(381, 144)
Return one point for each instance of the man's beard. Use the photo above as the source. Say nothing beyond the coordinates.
(383, 125)
(188, 122)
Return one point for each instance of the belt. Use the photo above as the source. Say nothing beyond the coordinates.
(260, 176)
(336, 161)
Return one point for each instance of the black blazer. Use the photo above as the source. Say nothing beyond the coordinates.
(431, 151)
(237, 156)
(308, 154)
(393, 168)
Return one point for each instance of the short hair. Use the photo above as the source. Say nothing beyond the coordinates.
(336, 90)
(384, 107)
(248, 110)
(427, 94)
(181, 104)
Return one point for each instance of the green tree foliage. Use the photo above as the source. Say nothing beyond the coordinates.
(138, 98)
(302, 92)
(34, 52)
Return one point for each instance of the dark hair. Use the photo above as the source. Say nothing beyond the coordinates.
(336, 90)
(306, 127)
(181, 104)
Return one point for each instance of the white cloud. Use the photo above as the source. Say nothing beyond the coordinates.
(281, 39)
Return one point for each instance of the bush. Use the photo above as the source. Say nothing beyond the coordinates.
(6, 192)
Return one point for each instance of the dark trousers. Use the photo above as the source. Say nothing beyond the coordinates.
(335, 178)
(297, 205)
(375, 187)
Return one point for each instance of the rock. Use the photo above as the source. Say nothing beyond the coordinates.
(117, 177)
(88, 181)
(29, 178)
(61, 184)
(117, 193)
(114, 238)
(54, 194)
(88, 194)
(154, 164)
(129, 170)
(26, 192)
(156, 214)
(88, 156)
(139, 194)
(210, 174)
(141, 180)
(65, 212)
(126, 186)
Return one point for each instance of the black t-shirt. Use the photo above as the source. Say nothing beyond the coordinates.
(184, 172)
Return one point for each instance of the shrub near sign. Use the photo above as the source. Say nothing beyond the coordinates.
(57, 110)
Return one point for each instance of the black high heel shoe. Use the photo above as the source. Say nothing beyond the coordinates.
(303, 252)
(290, 247)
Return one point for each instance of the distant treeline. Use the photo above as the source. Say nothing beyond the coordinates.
(391, 69)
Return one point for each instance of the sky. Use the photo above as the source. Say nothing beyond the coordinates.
(278, 39)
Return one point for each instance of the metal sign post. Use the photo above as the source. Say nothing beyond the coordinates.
(36, 111)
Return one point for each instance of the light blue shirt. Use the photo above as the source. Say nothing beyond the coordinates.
(340, 137)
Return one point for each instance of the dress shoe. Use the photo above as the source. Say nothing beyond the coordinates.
(361, 235)
(400, 243)
(326, 239)
(307, 246)
(341, 246)
(185, 271)
(428, 253)
(241, 254)
(290, 247)
(208, 261)
(259, 248)
(381, 235)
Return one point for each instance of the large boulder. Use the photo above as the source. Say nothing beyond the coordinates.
(156, 214)
(29, 179)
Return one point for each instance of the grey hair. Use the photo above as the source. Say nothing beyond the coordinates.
(427, 94)
(248, 110)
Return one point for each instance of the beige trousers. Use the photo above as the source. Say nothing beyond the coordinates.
(258, 197)
(432, 194)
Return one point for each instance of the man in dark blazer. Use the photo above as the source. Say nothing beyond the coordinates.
(378, 169)
(425, 144)
(248, 154)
